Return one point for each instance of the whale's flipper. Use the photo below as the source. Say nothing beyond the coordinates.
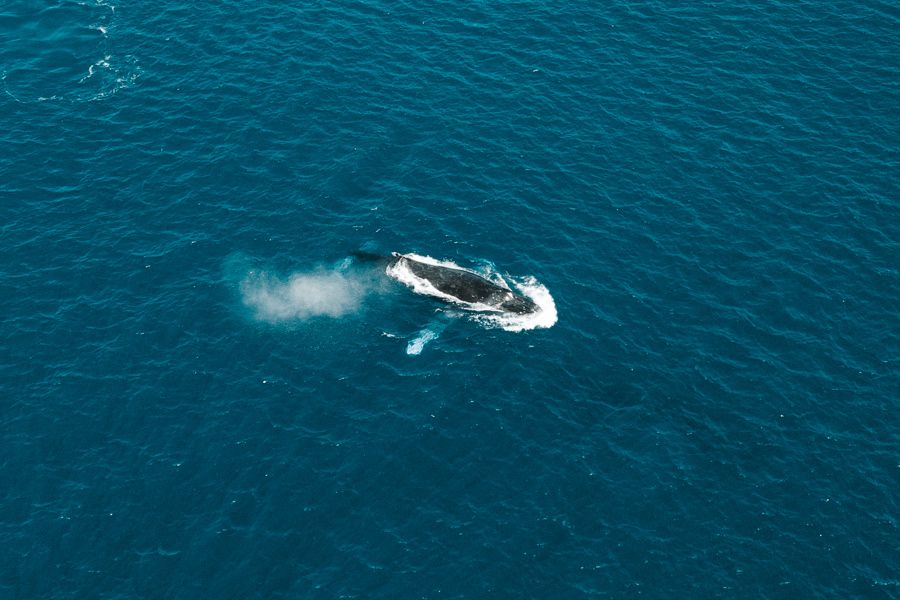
(431, 332)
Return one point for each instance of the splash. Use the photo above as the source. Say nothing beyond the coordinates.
(302, 296)
(543, 318)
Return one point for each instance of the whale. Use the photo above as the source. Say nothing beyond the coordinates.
(457, 285)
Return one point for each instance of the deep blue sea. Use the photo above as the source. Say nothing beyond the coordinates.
(203, 394)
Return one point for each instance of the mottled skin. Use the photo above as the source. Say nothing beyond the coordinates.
(467, 286)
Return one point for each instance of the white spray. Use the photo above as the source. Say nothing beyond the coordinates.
(320, 293)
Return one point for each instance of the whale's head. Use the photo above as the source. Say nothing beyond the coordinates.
(520, 305)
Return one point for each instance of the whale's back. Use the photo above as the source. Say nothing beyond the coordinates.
(461, 284)
(467, 287)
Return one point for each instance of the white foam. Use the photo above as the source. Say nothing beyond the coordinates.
(544, 318)
(321, 293)
(433, 261)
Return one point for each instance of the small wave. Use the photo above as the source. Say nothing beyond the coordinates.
(79, 66)
(103, 63)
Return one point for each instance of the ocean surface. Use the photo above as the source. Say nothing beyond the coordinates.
(204, 394)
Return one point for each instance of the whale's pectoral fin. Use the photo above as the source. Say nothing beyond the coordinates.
(430, 332)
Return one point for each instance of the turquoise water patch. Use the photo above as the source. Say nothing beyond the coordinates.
(202, 397)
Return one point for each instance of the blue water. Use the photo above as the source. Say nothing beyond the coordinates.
(202, 397)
